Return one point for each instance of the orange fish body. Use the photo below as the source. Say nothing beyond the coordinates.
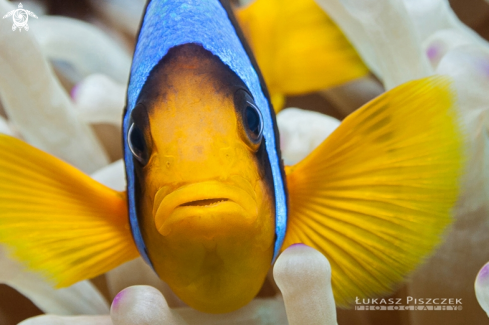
(203, 194)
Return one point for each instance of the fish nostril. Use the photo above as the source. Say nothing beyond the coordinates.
(203, 203)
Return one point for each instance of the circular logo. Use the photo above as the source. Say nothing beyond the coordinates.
(20, 17)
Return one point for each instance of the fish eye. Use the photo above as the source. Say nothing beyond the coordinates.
(137, 144)
(252, 120)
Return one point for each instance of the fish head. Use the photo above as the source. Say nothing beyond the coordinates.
(204, 189)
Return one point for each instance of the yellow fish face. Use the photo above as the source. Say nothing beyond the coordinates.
(205, 201)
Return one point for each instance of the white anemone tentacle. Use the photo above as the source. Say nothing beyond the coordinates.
(123, 14)
(80, 298)
(85, 47)
(481, 287)
(4, 127)
(35, 101)
(98, 99)
(384, 36)
(301, 131)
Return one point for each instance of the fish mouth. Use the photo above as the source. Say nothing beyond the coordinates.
(207, 203)
(204, 203)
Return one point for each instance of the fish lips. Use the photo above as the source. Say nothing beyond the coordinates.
(206, 205)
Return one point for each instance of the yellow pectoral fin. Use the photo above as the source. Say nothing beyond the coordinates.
(377, 194)
(298, 48)
(57, 220)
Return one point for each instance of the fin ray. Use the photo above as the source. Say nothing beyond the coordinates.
(57, 220)
(377, 194)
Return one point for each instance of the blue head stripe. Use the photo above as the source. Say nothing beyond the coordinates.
(169, 23)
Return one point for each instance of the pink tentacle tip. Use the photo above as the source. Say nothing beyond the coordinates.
(117, 299)
(484, 66)
(483, 276)
(74, 92)
(297, 245)
(433, 52)
(283, 141)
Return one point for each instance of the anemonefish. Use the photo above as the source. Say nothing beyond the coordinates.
(209, 204)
